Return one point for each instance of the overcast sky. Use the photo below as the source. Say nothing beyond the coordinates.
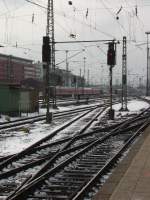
(24, 24)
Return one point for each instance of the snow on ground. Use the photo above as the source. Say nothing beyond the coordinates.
(14, 141)
(23, 115)
(146, 97)
(134, 106)
(5, 118)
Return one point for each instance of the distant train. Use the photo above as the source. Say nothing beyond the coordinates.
(74, 92)
(82, 91)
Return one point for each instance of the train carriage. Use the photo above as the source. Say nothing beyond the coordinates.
(72, 91)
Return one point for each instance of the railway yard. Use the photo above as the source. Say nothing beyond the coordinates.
(74, 100)
(72, 157)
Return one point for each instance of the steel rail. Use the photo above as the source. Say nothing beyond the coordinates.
(48, 137)
(78, 136)
(66, 139)
(60, 154)
(10, 173)
(70, 142)
(95, 131)
(49, 155)
(58, 167)
(110, 164)
(61, 141)
(23, 121)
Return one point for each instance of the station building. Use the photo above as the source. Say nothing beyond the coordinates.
(21, 80)
(15, 69)
(14, 97)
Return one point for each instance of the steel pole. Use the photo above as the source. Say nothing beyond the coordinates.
(84, 74)
(48, 115)
(147, 81)
(147, 68)
(67, 69)
(110, 71)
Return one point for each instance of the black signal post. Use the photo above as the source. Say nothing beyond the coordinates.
(111, 54)
(46, 58)
(111, 61)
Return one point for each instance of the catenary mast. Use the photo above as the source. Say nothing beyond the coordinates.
(50, 33)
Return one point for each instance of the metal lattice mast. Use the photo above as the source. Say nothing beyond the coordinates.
(50, 33)
(124, 76)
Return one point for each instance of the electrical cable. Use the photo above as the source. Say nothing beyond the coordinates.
(90, 26)
(93, 27)
(111, 13)
(70, 16)
(70, 57)
(36, 4)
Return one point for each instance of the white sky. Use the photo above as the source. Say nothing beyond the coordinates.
(101, 23)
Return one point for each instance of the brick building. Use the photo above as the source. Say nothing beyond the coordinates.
(15, 69)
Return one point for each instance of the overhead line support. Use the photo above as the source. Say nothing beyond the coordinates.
(124, 76)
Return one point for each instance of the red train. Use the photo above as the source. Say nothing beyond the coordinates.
(72, 91)
(62, 92)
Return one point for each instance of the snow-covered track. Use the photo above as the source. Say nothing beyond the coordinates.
(40, 152)
(27, 120)
(72, 176)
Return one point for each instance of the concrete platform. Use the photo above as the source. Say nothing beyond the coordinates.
(131, 178)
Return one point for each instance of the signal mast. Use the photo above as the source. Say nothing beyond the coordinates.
(48, 57)
(50, 33)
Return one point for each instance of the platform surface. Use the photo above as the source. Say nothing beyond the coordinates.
(131, 179)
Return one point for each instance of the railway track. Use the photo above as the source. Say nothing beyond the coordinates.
(57, 115)
(70, 167)
(71, 101)
(13, 168)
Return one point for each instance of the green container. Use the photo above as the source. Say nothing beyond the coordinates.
(9, 100)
